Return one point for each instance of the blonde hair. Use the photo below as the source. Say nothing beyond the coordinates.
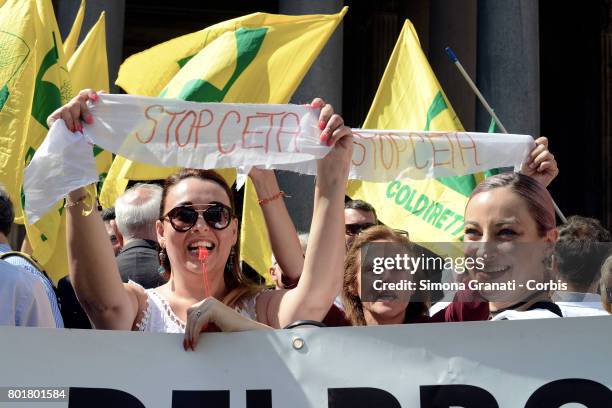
(351, 299)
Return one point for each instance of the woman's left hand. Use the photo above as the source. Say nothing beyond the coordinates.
(541, 164)
(335, 134)
(212, 311)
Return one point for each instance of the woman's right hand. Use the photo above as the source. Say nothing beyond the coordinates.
(212, 311)
(541, 164)
(75, 111)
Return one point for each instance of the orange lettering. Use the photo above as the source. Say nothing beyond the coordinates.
(294, 133)
(435, 151)
(219, 145)
(178, 127)
(246, 131)
(363, 149)
(382, 139)
(199, 125)
(146, 113)
(173, 115)
(402, 146)
(472, 146)
(410, 136)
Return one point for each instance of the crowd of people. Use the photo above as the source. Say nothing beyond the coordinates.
(166, 259)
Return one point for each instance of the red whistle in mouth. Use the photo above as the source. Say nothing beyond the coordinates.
(202, 253)
(202, 256)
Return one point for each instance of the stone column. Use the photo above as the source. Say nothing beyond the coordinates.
(508, 64)
(324, 79)
(606, 108)
(453, 24)
(66, 10)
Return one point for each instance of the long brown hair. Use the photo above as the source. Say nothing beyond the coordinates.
(351, 299)
(238, 285)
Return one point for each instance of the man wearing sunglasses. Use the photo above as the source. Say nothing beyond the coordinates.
(116, 239)
(358, 216)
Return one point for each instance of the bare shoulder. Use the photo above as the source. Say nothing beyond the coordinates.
(138, 301)
(134, 289)
(268, 305)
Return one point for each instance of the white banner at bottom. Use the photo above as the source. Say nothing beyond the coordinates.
(528, 363)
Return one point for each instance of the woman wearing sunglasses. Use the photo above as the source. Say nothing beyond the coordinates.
(197, 212)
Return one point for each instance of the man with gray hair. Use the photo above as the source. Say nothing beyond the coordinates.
(136, 212)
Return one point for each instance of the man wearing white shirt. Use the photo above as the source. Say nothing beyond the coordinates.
(7, 217)
(23, 300)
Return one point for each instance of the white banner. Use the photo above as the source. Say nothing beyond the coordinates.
(172, 133)
(528, 363)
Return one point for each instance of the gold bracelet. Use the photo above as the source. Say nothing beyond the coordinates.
(276, 196)
(88, 201)
(70, 204)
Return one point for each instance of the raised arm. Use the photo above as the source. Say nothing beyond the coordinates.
(541, 164)
(281, 231)
(322, 274)
(93, 270)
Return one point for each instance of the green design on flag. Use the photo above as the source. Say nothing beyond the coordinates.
(259, 58)
(47, 96)
(28, 157)
(4, 95)
(410, 97)
(248, 43)
(463, 184)
(14, 52)
(437, 106)
(183, 61)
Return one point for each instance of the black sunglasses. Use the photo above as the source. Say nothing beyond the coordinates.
(356, 229)
(184, 217)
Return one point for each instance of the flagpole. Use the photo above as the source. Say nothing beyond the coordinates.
(488, 108)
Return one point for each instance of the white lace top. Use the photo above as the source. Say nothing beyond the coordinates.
(159, 318)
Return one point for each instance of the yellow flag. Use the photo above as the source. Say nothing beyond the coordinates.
(259, 58)
(254, 241)
(75, 31)
(410, 97)
(88, 68)
(51, 90)
(17, 60)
